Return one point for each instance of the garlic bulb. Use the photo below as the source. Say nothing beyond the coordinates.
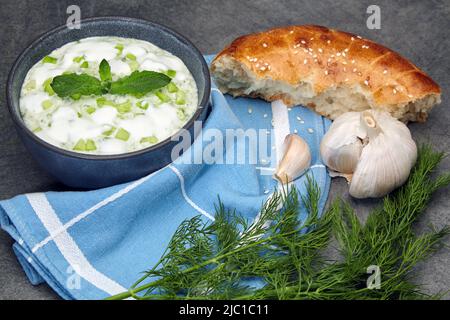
(373, 150)
(296, 159)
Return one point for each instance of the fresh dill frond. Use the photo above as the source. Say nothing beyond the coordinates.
(216, 260)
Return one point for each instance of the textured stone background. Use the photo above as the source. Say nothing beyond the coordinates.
(417, 29)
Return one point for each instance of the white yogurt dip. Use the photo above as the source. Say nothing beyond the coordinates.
(107, 124)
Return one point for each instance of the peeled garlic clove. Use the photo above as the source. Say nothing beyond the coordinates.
(296, 159)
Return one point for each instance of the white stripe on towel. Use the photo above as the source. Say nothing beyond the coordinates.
(281, 127)
(92, 209)
(186, 197)
(68, 248)
(271, 170)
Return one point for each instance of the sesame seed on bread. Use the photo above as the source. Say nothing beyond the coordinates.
(330, 71)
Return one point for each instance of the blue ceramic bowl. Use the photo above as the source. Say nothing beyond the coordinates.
(95, 171)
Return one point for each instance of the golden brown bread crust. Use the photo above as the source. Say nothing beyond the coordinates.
(329, 58)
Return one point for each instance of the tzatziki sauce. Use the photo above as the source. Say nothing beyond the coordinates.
(107, 124)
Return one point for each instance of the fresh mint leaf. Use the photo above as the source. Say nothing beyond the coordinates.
(75, 85)
(105, 71)
(139, 83)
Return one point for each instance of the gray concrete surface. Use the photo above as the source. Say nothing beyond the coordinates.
(417, 29)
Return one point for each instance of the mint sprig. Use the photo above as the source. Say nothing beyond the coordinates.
(137, 83)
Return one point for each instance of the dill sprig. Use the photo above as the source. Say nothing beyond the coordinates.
(218, 260)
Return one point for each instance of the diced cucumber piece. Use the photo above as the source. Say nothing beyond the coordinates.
(90, 145)
(130, 56)
(134, 65)
(124, 107)
(48, 88)
(162, 96)
(48, 59)
(180, 114)
(119, 48)
(102, 101)
(143, 104)
(172, 87)
(80, 145)
(47, 104)
(171, 73)
(122, 134)
(78, 59)
(90, 109)
(181, 97)
(85, 65)
(151, 140)
(109, 132)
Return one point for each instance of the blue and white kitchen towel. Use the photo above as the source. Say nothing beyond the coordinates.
(93, 244)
